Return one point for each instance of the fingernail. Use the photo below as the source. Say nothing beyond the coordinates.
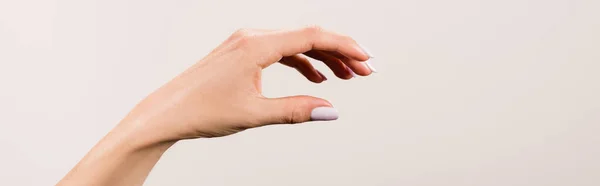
(324, 114)
(351, 72)
(366, 51)
(323, 76)
(369, 64)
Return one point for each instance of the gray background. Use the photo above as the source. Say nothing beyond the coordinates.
(469, 92)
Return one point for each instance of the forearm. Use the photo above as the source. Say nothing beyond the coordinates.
(119, 159)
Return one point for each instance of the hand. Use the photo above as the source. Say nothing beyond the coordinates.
(221, 94)
(218, 96)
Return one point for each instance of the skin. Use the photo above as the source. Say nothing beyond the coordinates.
(218, 96)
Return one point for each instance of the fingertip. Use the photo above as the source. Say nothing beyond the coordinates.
(324, 114)
(366, 51)
(363, 55)
(323, 77)
(316, 79)
(353, 74)
(370, 66)
(349, 74)
(364, 69)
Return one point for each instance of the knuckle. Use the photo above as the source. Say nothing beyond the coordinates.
(313, 29)
(287, 119)
(240, 33)
(294, 116)
(246, 40)
(299, 114)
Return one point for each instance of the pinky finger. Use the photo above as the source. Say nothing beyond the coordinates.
(303, 66)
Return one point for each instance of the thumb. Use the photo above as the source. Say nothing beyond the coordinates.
(297, 109)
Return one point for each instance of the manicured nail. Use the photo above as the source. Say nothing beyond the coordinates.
(369, 64)
(366, 51)
(324, 114)
(323, 76)
(351, 72)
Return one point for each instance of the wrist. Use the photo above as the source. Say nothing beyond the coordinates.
(133, 138)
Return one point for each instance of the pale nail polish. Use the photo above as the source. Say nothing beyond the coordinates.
(353, 74)
(367, 51)
(369, 64)
(324, 114)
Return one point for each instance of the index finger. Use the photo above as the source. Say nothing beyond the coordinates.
(291, 42)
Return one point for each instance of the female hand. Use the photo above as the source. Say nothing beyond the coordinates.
(221, 94)
(218, 96)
